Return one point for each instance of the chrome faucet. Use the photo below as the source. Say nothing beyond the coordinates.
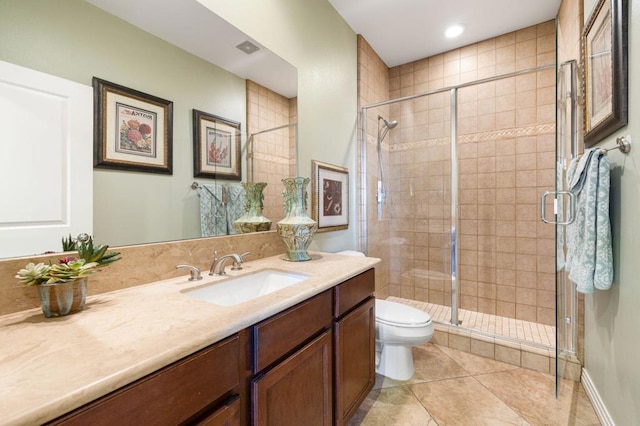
(218, 264)
(195, 272)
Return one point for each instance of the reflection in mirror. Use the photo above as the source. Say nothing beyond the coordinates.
(135, 207)
(253, 219)
(270, 157)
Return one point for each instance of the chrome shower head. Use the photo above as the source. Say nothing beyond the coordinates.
(386, 126)
(389, 124)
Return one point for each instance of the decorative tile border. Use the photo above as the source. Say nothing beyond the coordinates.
(274, 159)
(514, 132)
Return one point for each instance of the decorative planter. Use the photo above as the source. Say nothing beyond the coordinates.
(297, 229)
(62, 299)
(252, 220)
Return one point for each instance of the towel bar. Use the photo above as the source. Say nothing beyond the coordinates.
(622, 144)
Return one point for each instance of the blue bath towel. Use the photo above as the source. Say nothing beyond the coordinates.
(589, 260)
(220, 206)
(213, 211)
(235, 206)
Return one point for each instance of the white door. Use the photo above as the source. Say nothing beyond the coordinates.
(46, 165)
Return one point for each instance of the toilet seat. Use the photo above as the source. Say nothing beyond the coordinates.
(400, 315)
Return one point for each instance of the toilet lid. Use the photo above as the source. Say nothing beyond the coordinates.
(399, 314)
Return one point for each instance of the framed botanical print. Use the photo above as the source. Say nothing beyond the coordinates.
(132, 130)
(604, 64)
(216, 147)
(330, 196)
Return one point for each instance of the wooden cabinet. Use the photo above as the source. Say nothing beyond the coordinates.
(297, 391)
(189, 391)
(293, 364)
(312, 364)
(354, 344)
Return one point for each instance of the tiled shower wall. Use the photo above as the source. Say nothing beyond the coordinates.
(373, 86)
(506, 152)
(274, 152)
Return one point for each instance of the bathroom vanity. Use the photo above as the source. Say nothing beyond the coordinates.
(301, 355)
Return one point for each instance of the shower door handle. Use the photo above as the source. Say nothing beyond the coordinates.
(572, 207)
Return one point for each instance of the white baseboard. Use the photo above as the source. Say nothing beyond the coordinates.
(596, 401)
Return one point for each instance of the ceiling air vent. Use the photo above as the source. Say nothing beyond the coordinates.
(248, 47)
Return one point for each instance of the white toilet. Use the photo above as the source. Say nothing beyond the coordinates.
(399, 328)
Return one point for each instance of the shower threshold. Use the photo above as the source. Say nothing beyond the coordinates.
(522, 343)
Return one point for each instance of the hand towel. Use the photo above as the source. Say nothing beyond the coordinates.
(213, 213)
(589, 260)
(235, 206)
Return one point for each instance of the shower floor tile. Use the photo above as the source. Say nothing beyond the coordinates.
(508, 328)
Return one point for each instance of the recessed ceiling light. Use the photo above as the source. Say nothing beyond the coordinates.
(454, 31)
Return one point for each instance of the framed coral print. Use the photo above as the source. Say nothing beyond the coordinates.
(132, 130)
(330, 196)
(604, 64)
(216, 147)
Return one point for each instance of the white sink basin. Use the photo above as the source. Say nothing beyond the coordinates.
(246, 287)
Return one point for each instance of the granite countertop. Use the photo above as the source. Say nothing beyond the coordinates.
(50, 366)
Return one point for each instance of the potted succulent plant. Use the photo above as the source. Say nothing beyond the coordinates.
(62, 286)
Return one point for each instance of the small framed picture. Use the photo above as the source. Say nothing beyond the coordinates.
(604, 64)
(132, 130)
(216, 147)
(330, 196)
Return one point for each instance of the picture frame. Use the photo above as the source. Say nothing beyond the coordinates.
(133, 130)
(330, 196)
(605, 70)
(216, 147)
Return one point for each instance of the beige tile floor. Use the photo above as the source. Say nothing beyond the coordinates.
(451, 387)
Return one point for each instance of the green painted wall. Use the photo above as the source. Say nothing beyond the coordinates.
(75, 40)
(313, 37)
(612, 318)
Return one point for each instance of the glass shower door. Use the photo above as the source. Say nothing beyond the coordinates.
(566, 149)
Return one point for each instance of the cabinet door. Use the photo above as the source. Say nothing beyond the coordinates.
(297, 391)
(355, 359)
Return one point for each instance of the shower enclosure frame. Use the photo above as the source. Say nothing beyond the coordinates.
(453, 91)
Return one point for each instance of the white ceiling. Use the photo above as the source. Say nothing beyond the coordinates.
(400, 31)
(403, 31)
(196, 29)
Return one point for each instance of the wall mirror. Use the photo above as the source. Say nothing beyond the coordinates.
(182, 52)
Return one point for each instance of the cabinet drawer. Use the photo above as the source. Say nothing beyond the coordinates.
(171, 395)
(227, 415)
(275, 337)
(353, 291)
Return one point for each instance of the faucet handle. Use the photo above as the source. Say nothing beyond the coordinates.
(237, 261)
(195, 272)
